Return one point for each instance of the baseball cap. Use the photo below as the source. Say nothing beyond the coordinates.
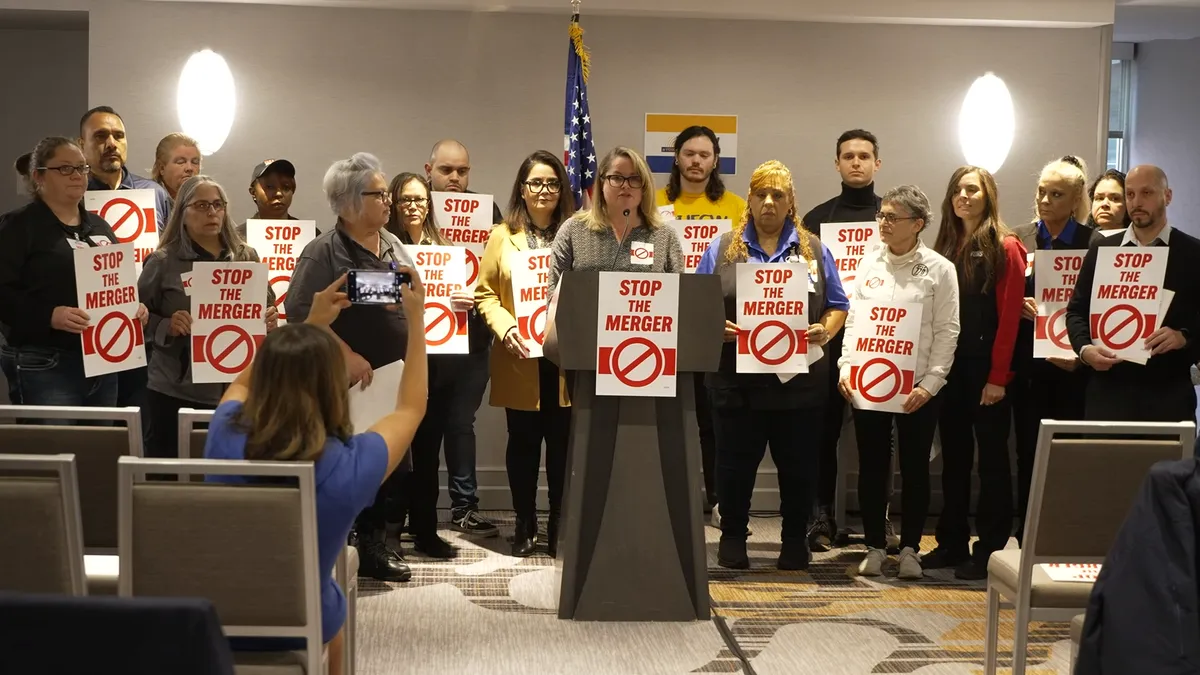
(277, 165)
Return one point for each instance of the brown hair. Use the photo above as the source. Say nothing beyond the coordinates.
(955, 244)
(395, 224)
(45, 150)
(299, 396)
(517, 217)
(766, 174)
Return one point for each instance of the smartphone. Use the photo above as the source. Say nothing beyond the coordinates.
(375, 287)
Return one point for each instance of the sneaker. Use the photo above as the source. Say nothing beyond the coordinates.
(731, 553)
(793, 555)
(972, 570)
(941, 558)
(715, 518)
(436, 547)
(472, 524)
(889, 535)
(910, 564)
(872, 565)
(821, 534)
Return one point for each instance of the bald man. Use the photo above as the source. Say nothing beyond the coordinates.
(1161, 390)
(449, 170)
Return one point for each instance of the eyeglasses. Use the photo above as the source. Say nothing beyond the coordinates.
(67, 169)
(537, 185)
(413, 201)
(383, 195)
(617, 180)
(891, 219)
(205, 207)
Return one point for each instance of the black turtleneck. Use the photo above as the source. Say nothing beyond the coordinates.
(854, 205)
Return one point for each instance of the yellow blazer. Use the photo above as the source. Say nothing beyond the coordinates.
(514, 380)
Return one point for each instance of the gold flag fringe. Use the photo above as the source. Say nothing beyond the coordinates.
(585, 57)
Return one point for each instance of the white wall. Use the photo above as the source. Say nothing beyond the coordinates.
(316, 85)
(1164, 122)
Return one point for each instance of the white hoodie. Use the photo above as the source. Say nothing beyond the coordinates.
(935, 287)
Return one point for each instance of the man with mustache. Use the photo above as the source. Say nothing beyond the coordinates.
(105, 147)
(1161, 390)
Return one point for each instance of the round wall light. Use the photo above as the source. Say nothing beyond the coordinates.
(206, 100)
(986, 123)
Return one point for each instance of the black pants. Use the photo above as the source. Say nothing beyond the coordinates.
(964, 422)
(742, 437)
(1041, 391)
(708, 440)
(160, 415)
(831, 433)
(874, 431)
(526, 431)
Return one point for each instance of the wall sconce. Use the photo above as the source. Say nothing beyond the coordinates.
(206, 100)
(986, 123)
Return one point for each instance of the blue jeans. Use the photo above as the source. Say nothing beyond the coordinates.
(45, 376)
(465, 378)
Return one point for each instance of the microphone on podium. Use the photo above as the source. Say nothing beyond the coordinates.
(621, 243)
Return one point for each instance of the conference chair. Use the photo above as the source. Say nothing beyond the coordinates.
(1082, 489)
(191, 446)
(1076, 638)
(97, 437)
(41, 531)
(251, 549)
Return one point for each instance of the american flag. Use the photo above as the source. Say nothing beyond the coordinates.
(579, 150)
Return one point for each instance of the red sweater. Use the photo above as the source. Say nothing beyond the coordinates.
(1010, 298)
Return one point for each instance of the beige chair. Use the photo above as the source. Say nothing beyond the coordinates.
(250, 549)
(1081, 491)
(191, 446)
(41, 532)
(1076, 638)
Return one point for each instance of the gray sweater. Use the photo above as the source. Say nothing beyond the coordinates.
(577, 248)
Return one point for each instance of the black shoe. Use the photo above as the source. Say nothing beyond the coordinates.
(972, 570)
(552, 535)
(436, 547)
(377, 561)
(731, 553)
(524, 538)
(941, 558)
(472, 524)
(793, 555)
(821, 533)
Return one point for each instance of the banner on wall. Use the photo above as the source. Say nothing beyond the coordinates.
(661, 130)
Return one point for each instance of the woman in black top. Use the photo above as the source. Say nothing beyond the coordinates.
(43, 357)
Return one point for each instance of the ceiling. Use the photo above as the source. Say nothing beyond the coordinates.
(1145, 20)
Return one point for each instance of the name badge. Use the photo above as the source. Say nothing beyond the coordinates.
(186, 279)
(641, 253)
(99, 240)
(667, 211)
(75, 243)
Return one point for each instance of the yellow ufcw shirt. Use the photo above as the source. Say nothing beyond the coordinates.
(698, 206)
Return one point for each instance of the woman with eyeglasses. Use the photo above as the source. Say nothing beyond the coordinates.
(370, 336)
(199, 229)
(976, 410)
(903, 270)
(532, 392)
(176, 159)
(43, 355)
(623, 212)
(752, 411)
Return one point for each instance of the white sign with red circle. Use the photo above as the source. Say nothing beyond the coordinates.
(883, 346)
(1055, 274)
(107, 291)
(228, 318)
(278, 244)
(131, 215)
(1127, 299)
(849, 242)
(695, 236)
(466, 220)
(772, 313)
(530, 279)
(637, 334)
(442, 272)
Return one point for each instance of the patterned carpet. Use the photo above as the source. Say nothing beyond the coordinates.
(487, 612)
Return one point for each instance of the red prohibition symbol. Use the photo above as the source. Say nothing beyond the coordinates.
(217, 361)
(105, 348)
(1108, 334)
(1056, 329)
(529, 325)
(778, 332)
(869, 389)
(133, 212)
(622, 373)
(279, 297)
(472, 267)
(444, 313)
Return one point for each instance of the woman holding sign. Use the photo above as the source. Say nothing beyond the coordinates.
(898, 281)
(751, 411)
(532, 391)
(991, 280)
(198, 230)
(39, 301)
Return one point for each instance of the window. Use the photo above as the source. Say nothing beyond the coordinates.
(1118, 114)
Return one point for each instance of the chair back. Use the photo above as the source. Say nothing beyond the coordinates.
(191, 436)
(1083, 487)
(41, 533)
(49, 430)
(250, 548)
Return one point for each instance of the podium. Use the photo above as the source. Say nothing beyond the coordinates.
(632, 537)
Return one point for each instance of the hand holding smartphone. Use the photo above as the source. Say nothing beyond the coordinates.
(376, 287)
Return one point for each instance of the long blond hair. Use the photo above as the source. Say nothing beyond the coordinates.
(767, 174)
(596, 217)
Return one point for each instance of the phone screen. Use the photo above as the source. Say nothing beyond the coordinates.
(369, 287)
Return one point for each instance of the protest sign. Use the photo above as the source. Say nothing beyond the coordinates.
(772, 313)
(637, 334)
(278, 244)
(884, 360)
(107, 290)
(228, 318)
(443, 271)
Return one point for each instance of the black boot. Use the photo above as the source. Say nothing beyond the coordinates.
(793, 555)
(377, 561)
(552, 535)
(732, 554)
(524, 537)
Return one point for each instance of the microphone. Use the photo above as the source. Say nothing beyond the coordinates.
(621, 243)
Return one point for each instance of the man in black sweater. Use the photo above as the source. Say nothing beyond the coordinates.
(1161, 390)
(856, 159)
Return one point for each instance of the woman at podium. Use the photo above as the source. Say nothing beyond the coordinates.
(751, 411)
